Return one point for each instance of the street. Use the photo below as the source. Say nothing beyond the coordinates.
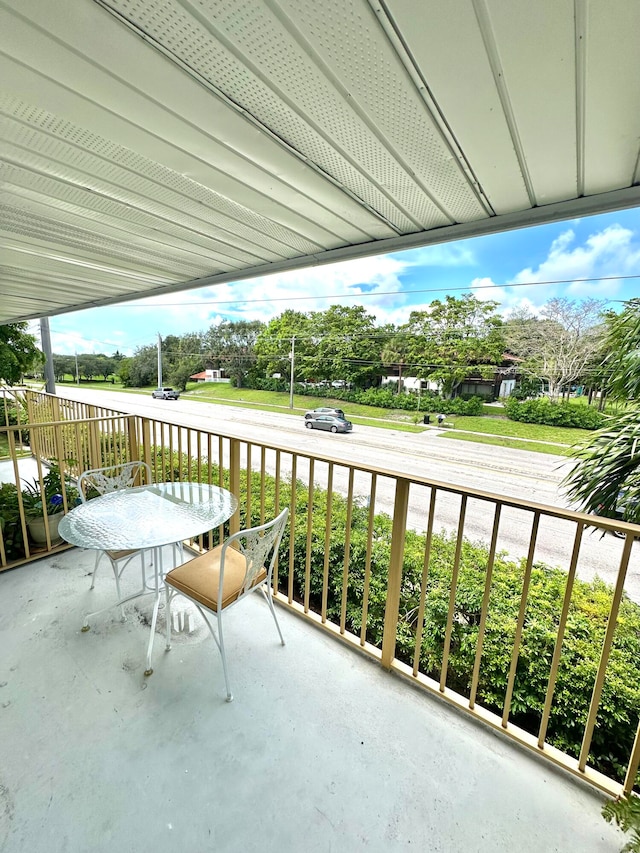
(519, 474)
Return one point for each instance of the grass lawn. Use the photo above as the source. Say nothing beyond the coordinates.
(516, 429)
(222, 392)
(4, 448)
(505, 441)
(491, 423)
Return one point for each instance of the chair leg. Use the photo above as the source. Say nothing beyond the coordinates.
(224, 658)
(267, 596)
(99, 554)
(116, 575)
(167, 613)
(154, 619)
(159, 577)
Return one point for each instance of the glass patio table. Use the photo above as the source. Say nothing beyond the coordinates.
(147, 518)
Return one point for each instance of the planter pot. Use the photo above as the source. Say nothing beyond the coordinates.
(38, 533)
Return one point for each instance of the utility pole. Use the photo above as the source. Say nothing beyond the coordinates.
(159, 361)
(292, 356)
(77, 374)
(45, 338)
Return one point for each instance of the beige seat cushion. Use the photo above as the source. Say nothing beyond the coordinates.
(200, 577)
(120, 555)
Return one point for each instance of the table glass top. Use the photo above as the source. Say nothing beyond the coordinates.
(147, 516)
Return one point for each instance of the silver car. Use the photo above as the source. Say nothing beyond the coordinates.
(325, 410)
(329, 422)
(165, 394)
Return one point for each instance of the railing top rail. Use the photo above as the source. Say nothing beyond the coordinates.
(22, 427)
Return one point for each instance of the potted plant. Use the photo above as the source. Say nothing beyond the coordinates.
(35, 501)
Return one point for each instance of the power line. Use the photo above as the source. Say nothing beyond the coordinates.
(467, 289)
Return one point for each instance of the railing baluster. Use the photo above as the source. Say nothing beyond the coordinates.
(557, 651)
(276, 512)
(292, 525)
(392, 609)
(234, 482)
(485, 606)
(423, 585)
(452, 595)
(367, 559)
(263, 474)
(606, 650)
(248, 487)
(327, 544)
(307, 562)
(634, 763)
(347, 554)
(520, 623)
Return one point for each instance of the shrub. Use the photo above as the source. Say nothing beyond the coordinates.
(586, 621)
(10, 522)
(620, 705)
(544, 411)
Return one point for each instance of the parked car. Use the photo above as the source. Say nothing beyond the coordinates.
(329, 422)
(619, 512)
(165, 394)
(325, 410)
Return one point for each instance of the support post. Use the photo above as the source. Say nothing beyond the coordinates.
(234, 482)
(394, 583)
(293, 359)
(45, 337)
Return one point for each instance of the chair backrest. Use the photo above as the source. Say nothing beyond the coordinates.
(255, 543)
(114, 477)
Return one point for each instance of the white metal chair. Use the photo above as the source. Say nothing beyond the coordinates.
(110, 479)
(223, 576)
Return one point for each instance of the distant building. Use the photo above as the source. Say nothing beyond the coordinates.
(209, 376)
(501, 384)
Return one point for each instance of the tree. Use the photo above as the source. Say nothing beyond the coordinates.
(141, 368)
(274, 342)
(395, 353)
(63, 365)
(231, 345)
(18, 352)
(345, 344)
(606, 478)
(453, 339)
(557, 346)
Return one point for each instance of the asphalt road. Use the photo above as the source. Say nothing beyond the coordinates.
(519, 474)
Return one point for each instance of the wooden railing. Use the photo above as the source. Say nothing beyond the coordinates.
(390, 564)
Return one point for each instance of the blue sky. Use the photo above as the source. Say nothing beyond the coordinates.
(505, 267)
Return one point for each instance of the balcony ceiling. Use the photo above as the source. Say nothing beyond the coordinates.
(155, 146)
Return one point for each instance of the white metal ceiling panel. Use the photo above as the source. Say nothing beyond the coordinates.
(274, 74)
(446, 45)
(612, 95)
(154, 146)
(534, 45)
(109, 82)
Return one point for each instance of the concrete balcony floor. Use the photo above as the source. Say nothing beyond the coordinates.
(321, 750)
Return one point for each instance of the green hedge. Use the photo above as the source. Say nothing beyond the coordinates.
(620, 706)
(543, 411)
(383, 398)
(586, 624)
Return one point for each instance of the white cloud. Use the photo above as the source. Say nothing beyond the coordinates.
(311, 289)
(486, 289)
(609, 252)
(442, 255)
